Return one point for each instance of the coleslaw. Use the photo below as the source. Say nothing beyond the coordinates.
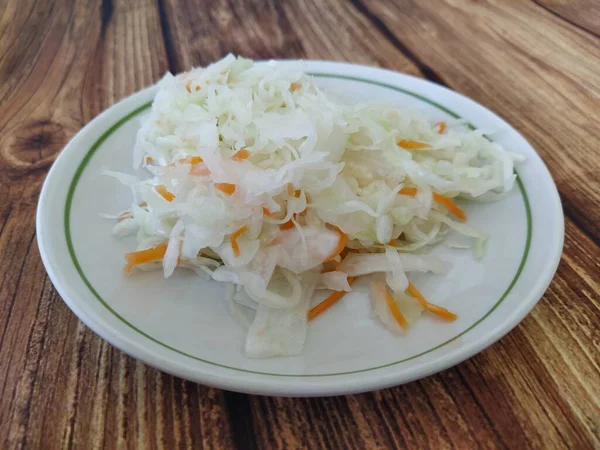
(259, 180)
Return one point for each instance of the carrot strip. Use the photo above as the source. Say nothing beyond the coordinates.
(133, 259)
(162, 190)
(345, 253)
(226, 187)
(395, 310)
(410, 191)
(439, 198)
(268, 213)
(435, 309)
(191, 160)
(449, 203)
(343, 239)
(297, 193)
(149, 159)
(295, 86)
(286, 226)
(328, 302)
(197, 88)
(241, 154)
(409, 144)
(441, 126)
(236, 234)
(188, 87)
(125, 215)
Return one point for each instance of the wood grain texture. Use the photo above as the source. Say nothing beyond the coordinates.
(201, 32)
(581, 13)
(63, 62)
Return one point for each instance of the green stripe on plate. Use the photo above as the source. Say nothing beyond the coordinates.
(94, 148)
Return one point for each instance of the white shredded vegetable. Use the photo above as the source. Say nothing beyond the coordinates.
(257, 179)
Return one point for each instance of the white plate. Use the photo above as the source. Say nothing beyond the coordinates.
(182, 325)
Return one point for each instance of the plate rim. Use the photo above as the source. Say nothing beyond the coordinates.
(462, 353)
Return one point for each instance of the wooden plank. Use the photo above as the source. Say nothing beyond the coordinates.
(200, 32)
(61, 63)
(538, 72)
(584, 14)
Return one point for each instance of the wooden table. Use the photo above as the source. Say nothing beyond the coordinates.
(537, 64)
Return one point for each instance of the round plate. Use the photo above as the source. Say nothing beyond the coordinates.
(182, 325)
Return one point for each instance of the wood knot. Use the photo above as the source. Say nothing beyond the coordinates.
(33, 145)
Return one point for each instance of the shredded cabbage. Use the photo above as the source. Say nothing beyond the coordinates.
(259, 180)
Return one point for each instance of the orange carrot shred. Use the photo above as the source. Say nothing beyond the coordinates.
(435, 309)
(236, 234)
(188, 87)
(395, 310)
(124, 216)
(441, 126)
(410, 191)
(438, 198)
(409, 144)
(345, 253)
(162, 190)
(286, 226)
(241, 154)
(197, 88)
(295, 86)
(268, 213)
(449, 203)
(226, 187)
(343, 239)
(328, 302)
(133, 259)
(149, 159)
(297, 193)
(191, 160)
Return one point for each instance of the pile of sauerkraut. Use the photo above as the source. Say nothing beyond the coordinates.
(258, 180)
